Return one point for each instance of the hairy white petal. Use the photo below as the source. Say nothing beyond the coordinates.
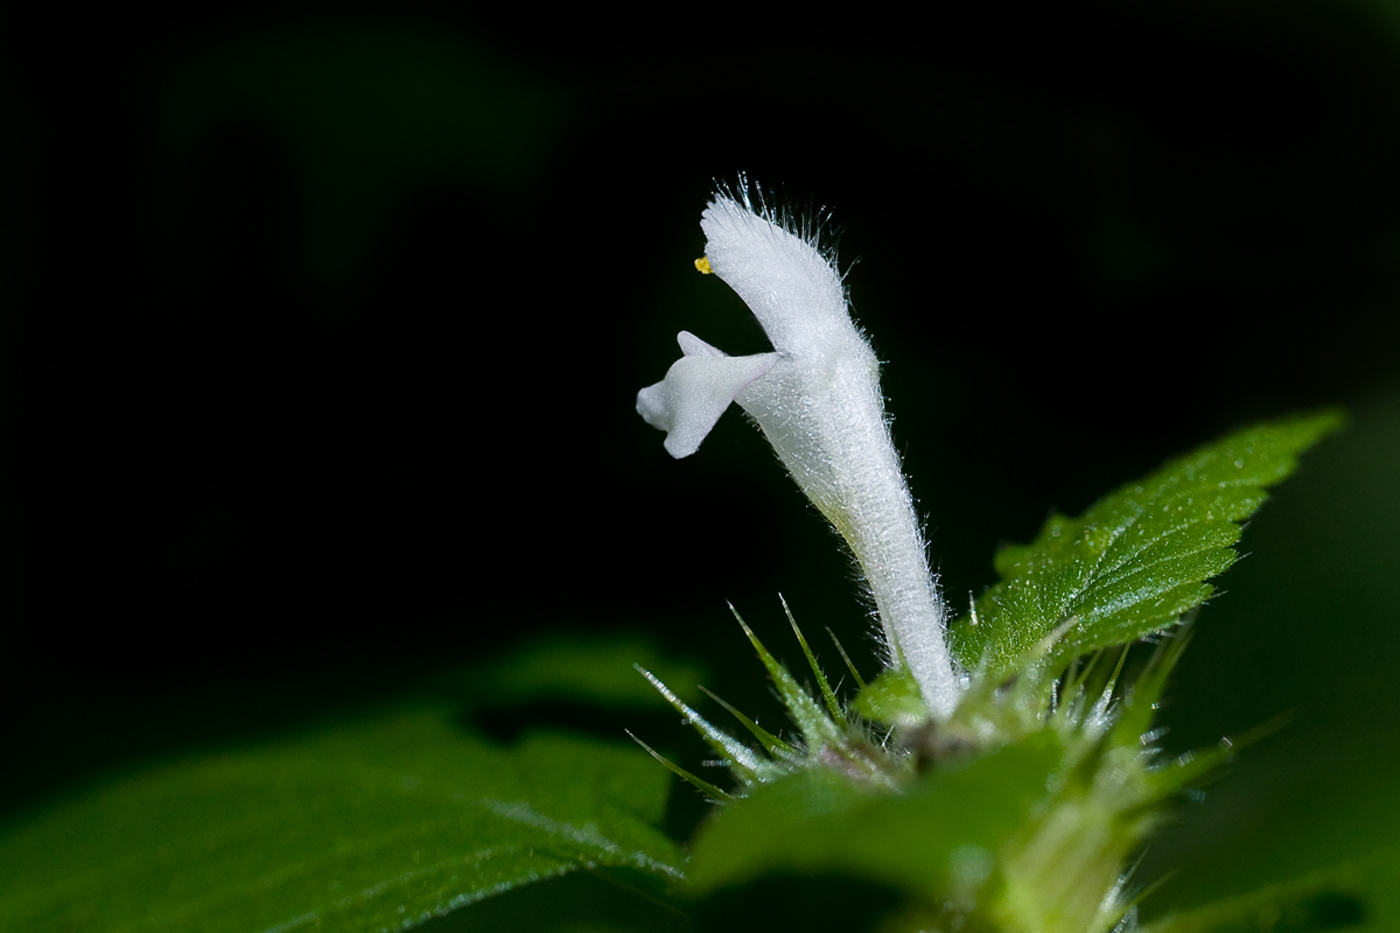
(697, 389)
(818, 401)
(792, 289)
(826, 423)
(692, 345)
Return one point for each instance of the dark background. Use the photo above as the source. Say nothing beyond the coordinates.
(322, 335)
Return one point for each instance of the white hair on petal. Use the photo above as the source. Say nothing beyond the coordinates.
(817, 399)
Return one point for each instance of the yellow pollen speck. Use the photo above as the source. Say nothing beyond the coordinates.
(703, 264)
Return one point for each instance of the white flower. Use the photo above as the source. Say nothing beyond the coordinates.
(817, 399)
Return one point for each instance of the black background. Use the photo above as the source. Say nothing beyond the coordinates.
(323, 332)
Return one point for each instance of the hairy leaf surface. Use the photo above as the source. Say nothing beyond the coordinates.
(937, 840)
(373, 825)
(1136, 560)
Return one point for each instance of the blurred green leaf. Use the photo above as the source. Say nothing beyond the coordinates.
(1309, 630)
(1136, 560)
(938, 840)
(599, 671)
(373, 825)
(890, 697)
(1363, 893)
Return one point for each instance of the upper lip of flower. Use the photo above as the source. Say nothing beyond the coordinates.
(817, 398)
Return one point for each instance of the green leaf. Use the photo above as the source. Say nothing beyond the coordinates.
(937, 840)
(374, 825)
(833, 705)
(817, 729)
(1361, 893)
(564, 666)
(773, 745)
(747, 764)
(1136, 560)
(892, 697)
